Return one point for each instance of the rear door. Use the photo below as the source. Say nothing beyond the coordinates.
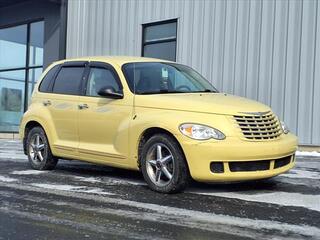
(62, 104)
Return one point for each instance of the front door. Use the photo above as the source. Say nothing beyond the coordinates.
(103, 122)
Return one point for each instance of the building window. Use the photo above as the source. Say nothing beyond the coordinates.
(159, 40)
(21, 63)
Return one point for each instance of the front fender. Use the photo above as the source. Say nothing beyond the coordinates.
(170, 121)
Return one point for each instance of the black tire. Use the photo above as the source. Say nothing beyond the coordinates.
(180, 174)
(49, 161)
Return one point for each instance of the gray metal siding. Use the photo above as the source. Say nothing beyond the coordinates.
(265, 50)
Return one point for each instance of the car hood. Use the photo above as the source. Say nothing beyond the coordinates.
(218, 103)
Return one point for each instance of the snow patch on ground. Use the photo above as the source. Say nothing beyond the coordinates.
(117, 181)
(7, 179)
(72, 188)
(307, 154)
(58, 187)
(88, 179)
(109, 181)
(296, 173)
(280, 198)
(96, 191)
(12, 155)
(28, 172)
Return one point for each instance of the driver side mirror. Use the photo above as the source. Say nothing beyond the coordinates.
(110, 93)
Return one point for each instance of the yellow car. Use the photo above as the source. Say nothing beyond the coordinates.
(156, 116)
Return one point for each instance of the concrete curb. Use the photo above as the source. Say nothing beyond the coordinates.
(309, 148)
(10, 136)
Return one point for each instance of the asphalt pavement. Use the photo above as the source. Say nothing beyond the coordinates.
(79, 200)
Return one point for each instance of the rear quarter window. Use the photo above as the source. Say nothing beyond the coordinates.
(47, 80)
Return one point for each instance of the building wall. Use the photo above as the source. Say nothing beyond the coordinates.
(265, 50)
(37, 9)
(17, 80)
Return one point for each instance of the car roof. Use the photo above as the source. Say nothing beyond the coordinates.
(119, 60)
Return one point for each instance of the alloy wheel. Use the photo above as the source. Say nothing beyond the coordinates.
(37, 149)
(160, 164)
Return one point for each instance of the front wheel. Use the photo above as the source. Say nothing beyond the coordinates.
(163, 164)
(38, 150)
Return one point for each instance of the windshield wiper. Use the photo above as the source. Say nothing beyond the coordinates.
(205, 90)
(162, 91)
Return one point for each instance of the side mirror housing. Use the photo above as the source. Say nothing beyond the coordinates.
(110, 93)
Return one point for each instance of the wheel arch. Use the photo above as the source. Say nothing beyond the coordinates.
(148, 133)
(28, 126)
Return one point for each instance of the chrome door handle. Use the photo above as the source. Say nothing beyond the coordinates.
(83, 106)
(46, 103)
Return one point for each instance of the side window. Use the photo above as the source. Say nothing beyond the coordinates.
(99, 78)
(48, 78)
(68, 81)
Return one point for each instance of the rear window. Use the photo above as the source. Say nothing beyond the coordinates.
(68, 81)
(48, 78)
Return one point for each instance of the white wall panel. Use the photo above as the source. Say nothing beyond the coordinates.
(279, 63)
(229, 50)
(242, 45)
(267, 50)
(306, 80)
(254, 40)
(316, 87)
(219, 43)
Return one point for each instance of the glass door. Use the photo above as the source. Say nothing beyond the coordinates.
(21, 63)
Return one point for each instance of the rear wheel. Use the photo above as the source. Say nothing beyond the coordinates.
(38, 150)
(163, 164)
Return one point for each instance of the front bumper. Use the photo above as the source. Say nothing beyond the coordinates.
(200, 155)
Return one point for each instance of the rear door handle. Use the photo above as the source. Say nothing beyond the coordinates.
(46, 103)
(83, 106)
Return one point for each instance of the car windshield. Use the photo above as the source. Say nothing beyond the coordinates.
(161, 77)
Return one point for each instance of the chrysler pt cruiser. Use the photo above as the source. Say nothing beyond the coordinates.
(156, 116)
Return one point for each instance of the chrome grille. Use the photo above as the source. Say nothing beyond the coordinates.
(259, 126)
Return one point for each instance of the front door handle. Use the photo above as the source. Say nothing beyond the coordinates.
(83, 106)
(46, 103)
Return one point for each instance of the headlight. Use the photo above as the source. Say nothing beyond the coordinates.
(284, 127)
(200, 132)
